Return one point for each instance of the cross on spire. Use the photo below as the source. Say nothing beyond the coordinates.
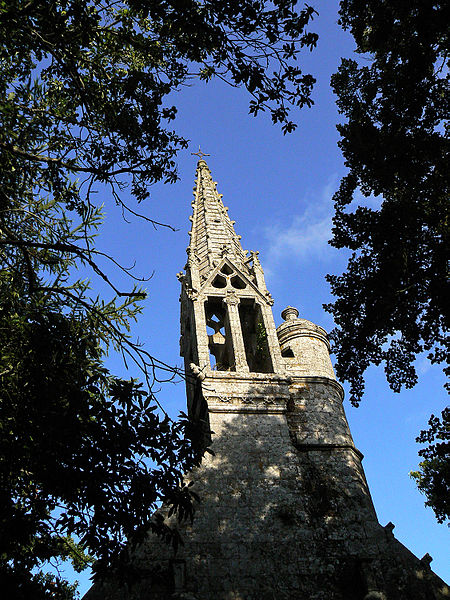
(200, 154)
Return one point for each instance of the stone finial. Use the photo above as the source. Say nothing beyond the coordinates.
(254, 258)
(426, 560)
(389, 529)
(289, 313)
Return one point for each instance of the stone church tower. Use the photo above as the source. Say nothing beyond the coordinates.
(285, 509)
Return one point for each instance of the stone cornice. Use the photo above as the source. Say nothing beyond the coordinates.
(239, 409)
(301, 328)
(270, 378)
(328, 447)
(318, 379)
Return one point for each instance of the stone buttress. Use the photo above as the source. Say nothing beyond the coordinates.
(285, 509)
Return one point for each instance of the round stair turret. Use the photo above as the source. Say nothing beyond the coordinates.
(304, 346)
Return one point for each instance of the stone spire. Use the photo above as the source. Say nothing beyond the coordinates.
(227, 322)
(212, 234)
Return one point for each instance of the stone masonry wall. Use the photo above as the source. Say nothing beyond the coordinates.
(279, 520)
(316, 414)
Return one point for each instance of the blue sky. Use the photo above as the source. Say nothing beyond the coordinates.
(278, 189)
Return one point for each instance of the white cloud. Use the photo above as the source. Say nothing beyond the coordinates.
(306, 237)
(423, 365)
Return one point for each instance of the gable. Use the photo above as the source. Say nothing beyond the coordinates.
(227, 276)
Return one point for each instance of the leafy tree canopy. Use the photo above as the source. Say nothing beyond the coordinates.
(84, 84)
(433, 476)
(84, 104)
(82, 453)
(393, 300)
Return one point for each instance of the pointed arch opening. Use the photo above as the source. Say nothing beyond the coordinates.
(255, 337)
(220, 343)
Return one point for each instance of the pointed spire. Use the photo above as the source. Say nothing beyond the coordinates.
(212, 234)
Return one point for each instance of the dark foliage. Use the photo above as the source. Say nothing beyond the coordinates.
(82, 453)
(84, 84)
(85, 457)
(393, 300)
(433, 477)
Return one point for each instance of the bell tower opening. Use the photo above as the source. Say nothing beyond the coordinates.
(255, 337)
(219, 335)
